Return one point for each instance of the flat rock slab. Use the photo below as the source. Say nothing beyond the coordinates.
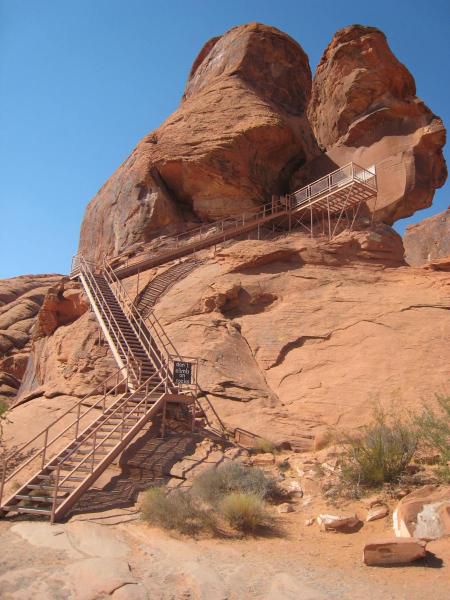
(284, 586)
(86, 579)
(97, 577)
(393, 551)
(45, 535)
(78, 539)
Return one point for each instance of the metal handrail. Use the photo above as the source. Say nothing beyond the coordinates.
(224, 226)
(114, 408)
(108, 314)
(120, 425)
(136, 320)
(46, 431)
(165, 345)
(342, 175)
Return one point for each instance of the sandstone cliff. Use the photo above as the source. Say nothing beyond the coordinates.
(364, 109)
(20, 301)
(428, 240)
(239, 132)
(294, 335)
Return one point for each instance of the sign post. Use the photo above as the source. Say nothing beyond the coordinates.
(182, 372)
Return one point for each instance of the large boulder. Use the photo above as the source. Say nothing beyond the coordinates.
(364, 109)
(424, 513)
(428, 240)
(237, 136)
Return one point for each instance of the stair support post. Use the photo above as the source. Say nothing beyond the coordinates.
(163, 423)
(93, 451)
(2, 484)
(55, 494)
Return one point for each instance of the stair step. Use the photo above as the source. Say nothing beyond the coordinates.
(69, 467)
(46, 499)
(37, 486)
(88, 451)
(71, 478)
(32, 511)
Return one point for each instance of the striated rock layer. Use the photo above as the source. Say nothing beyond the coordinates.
(364, 109)
(295, 335)
(20, 301)
(238, 134)
(428, 240)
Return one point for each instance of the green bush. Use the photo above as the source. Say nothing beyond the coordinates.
(3, 417)
(178, 510)
(434, 428)
(3, 408)
(381, 453)
(263, 446)
(243, 511)
(215, 483)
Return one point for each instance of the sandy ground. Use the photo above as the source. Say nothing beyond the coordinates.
(115, 555)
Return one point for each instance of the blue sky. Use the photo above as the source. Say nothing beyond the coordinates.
(83, 80)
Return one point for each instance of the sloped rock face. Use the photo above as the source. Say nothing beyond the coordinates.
(294, 335)
(428, 240)
(239, 133)
(67, 359)
(364, 109)
(20, 301)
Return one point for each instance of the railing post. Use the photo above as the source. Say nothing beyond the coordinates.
(122, 430)
(2, 485)
(93, 451)
(55, 494)
(78, 420)
(44, 450)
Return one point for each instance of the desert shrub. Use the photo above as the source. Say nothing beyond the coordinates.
(215, 483)
(3, 408)
(3, 417)
(178, 510)
(380, 453)
(434, 427)
(263, 446)
(244, 511)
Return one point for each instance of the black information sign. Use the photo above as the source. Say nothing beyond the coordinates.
(182, 372)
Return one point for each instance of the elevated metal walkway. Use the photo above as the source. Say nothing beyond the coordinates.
(330, 201)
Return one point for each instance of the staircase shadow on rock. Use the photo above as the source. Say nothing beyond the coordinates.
(147, 462)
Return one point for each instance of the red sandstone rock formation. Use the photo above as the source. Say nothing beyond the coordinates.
(294, 335)
(428, 240)
(238, 134)
(364, 109)
(68, 356)
(20, 301)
